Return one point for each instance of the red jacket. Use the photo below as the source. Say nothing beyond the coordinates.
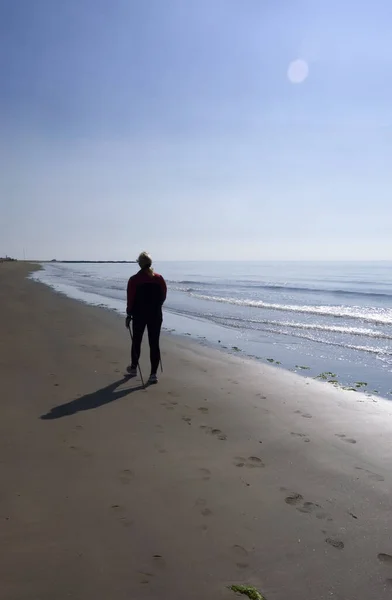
(146, 292)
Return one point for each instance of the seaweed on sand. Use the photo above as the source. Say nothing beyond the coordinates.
(247, 590)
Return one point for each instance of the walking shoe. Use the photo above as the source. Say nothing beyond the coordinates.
(153, 379)
(132, 371)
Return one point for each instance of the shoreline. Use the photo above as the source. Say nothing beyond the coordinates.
(329, 370)
(227, 472)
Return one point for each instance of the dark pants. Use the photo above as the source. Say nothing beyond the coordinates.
(153, 325)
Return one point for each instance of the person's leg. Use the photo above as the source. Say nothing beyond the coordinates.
(154, 331)
(138, 327)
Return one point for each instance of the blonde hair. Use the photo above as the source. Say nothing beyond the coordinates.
(145, 261)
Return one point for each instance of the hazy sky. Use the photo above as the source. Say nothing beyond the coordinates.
(178, 126)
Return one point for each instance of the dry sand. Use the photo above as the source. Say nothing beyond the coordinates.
(226, 472)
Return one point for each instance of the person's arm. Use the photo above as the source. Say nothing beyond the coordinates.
(131, 289)
(163, 288)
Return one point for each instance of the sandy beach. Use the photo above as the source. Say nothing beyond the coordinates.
(227, 472)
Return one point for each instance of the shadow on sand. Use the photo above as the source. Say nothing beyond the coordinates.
(93, 400)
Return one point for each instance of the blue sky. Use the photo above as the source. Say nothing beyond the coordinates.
(173, 126)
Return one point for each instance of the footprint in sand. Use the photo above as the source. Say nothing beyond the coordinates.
(126, 476)
(241, 565)
(203, 409)
(81, 451)
(323, 516)
(215, 432)
(373, 476)
(253, 462)
(301, 435)
(205, 512)
(169, 405)
(125, 522)
(307, 508)
(344, 438)
(120, 510)
(293, 499)
(241, 553)
(304, 415)
(205, 473)
(159, 561)
(385, 558)
(338, 544)
(240, 550)
(187, 420)
(200, 502)
(145, 577)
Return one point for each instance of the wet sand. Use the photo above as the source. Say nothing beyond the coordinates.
(226, 472)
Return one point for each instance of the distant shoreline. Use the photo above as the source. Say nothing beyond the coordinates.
(78, 262)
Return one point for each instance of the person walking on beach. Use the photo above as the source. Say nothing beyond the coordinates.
(146, 293)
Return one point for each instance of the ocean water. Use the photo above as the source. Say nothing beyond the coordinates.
(327, 317)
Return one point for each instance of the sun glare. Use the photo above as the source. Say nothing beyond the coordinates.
(298, 71)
